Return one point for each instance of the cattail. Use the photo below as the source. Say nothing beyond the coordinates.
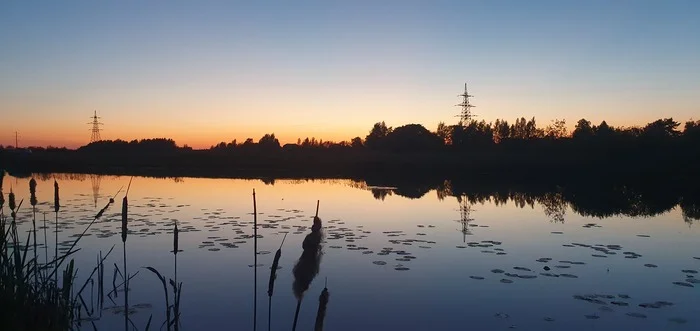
(32, 192)
(271, 285)
(273, 272)
(308, 265)
(32, 200)
(125, 213)
(56, 201)
(175, 239)
(322, 305)
(2, 197)
(11, 197)
(125, 210)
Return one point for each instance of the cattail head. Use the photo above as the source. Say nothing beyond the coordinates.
(125, 213)
(12, 200)
(32, 192)
(175, 239)
(322, 306)
(317, 224)
(56, 201)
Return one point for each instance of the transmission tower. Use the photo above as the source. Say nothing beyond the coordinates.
(465, 210)
(95, 128)
(95, 181)
(466, 115)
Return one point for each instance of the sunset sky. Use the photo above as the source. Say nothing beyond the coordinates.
(202, 72)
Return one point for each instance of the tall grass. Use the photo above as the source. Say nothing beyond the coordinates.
(31, 296)
(171, 321)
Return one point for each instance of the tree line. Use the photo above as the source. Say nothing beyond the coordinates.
(473, 147)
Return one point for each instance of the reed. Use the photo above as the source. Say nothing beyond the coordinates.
(33, 202)
(308, 265)
(25, 304)
(322, 306)
(46, 244)
(174, 321)
(255, 263)
(2, 199)
(125, 229)
(176, 308)
(271, 284)
(56, 209)
(12, 203)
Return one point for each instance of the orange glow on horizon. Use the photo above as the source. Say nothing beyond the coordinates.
(200, 138)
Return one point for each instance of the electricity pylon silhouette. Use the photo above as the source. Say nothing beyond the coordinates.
(95, 128)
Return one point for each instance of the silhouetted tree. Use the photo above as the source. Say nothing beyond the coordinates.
(583, 129)
(269, 142)
(661, 129)
(444, 132)
(474, 134)
(376, 135)
(412, 137)
(556, 130)
(356, 142)
(501, 131)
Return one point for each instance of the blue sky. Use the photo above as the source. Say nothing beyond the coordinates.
(209, 71)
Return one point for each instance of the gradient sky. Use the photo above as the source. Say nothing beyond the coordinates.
(208, 71)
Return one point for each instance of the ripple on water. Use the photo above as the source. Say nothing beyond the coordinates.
(637, 315)
(678, 320)
(683, 284)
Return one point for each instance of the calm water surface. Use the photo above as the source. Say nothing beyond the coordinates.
(391, 263)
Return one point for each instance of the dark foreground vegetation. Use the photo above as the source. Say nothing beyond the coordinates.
(39, 291)
(500, 148)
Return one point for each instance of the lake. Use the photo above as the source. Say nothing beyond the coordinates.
(391, 260)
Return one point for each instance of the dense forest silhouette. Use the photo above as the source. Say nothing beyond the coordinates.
(520, 148)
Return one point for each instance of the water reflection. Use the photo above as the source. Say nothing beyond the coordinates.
(528, 261)
(465, 210)
(601, 200)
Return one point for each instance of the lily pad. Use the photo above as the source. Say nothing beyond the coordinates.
(683, 284)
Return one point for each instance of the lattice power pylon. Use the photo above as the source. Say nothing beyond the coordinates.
(95, 128)
(95, 181)
(465, 210)
(466, 115)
